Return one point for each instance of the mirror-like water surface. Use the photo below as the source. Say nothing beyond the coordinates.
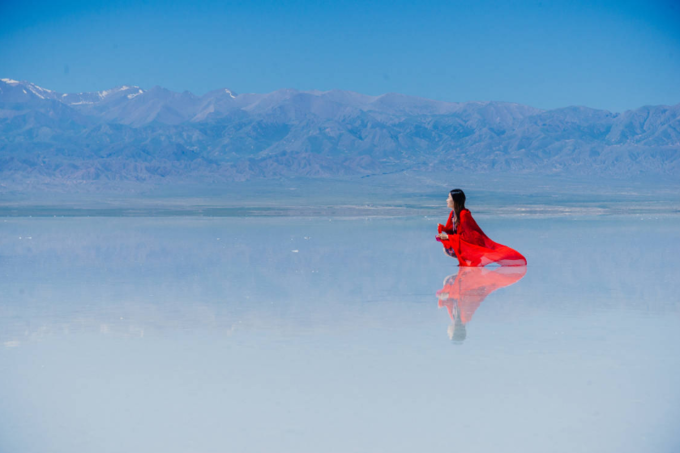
(337, 335)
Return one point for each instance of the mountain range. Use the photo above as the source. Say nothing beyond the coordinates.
(132, 134)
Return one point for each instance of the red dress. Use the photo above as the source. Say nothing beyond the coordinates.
(474, 248)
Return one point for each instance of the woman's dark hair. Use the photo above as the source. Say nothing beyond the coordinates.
(458, 196)
(459, 332)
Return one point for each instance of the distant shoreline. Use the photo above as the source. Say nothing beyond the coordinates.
(519, 211)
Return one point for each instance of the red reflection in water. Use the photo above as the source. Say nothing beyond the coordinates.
(464, 292)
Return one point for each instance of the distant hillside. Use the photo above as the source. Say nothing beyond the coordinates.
(132, 134)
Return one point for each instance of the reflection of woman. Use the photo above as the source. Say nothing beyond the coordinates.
(464, 239)
(463, 293)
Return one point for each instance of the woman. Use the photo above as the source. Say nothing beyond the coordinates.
(462, 238)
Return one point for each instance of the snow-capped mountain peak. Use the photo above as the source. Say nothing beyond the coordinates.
(105, 93)
(39, 91)
(133, 95)
(75, 99)
(25, 91)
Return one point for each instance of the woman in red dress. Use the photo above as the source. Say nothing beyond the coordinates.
(464, 239)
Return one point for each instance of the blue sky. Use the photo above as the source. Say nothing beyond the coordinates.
(603, 54)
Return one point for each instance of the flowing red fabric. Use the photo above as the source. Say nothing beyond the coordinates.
(472, 285)
(473, 248)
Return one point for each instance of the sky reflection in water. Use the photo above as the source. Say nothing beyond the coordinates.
(260, 335)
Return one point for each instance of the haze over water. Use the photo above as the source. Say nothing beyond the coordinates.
(326, 334)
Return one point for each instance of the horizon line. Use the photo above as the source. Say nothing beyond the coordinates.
(317, 92)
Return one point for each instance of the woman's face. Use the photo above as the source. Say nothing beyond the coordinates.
(449, 202)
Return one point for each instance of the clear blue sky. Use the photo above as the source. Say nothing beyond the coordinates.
(615, 55)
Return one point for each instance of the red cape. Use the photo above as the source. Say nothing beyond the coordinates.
(474, 248)
(471, 286)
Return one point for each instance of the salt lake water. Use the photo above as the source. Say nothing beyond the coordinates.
(330, 334)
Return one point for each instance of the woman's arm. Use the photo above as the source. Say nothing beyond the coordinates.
(449, 229)
(450, 226)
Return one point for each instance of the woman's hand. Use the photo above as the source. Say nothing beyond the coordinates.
(443, 236)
